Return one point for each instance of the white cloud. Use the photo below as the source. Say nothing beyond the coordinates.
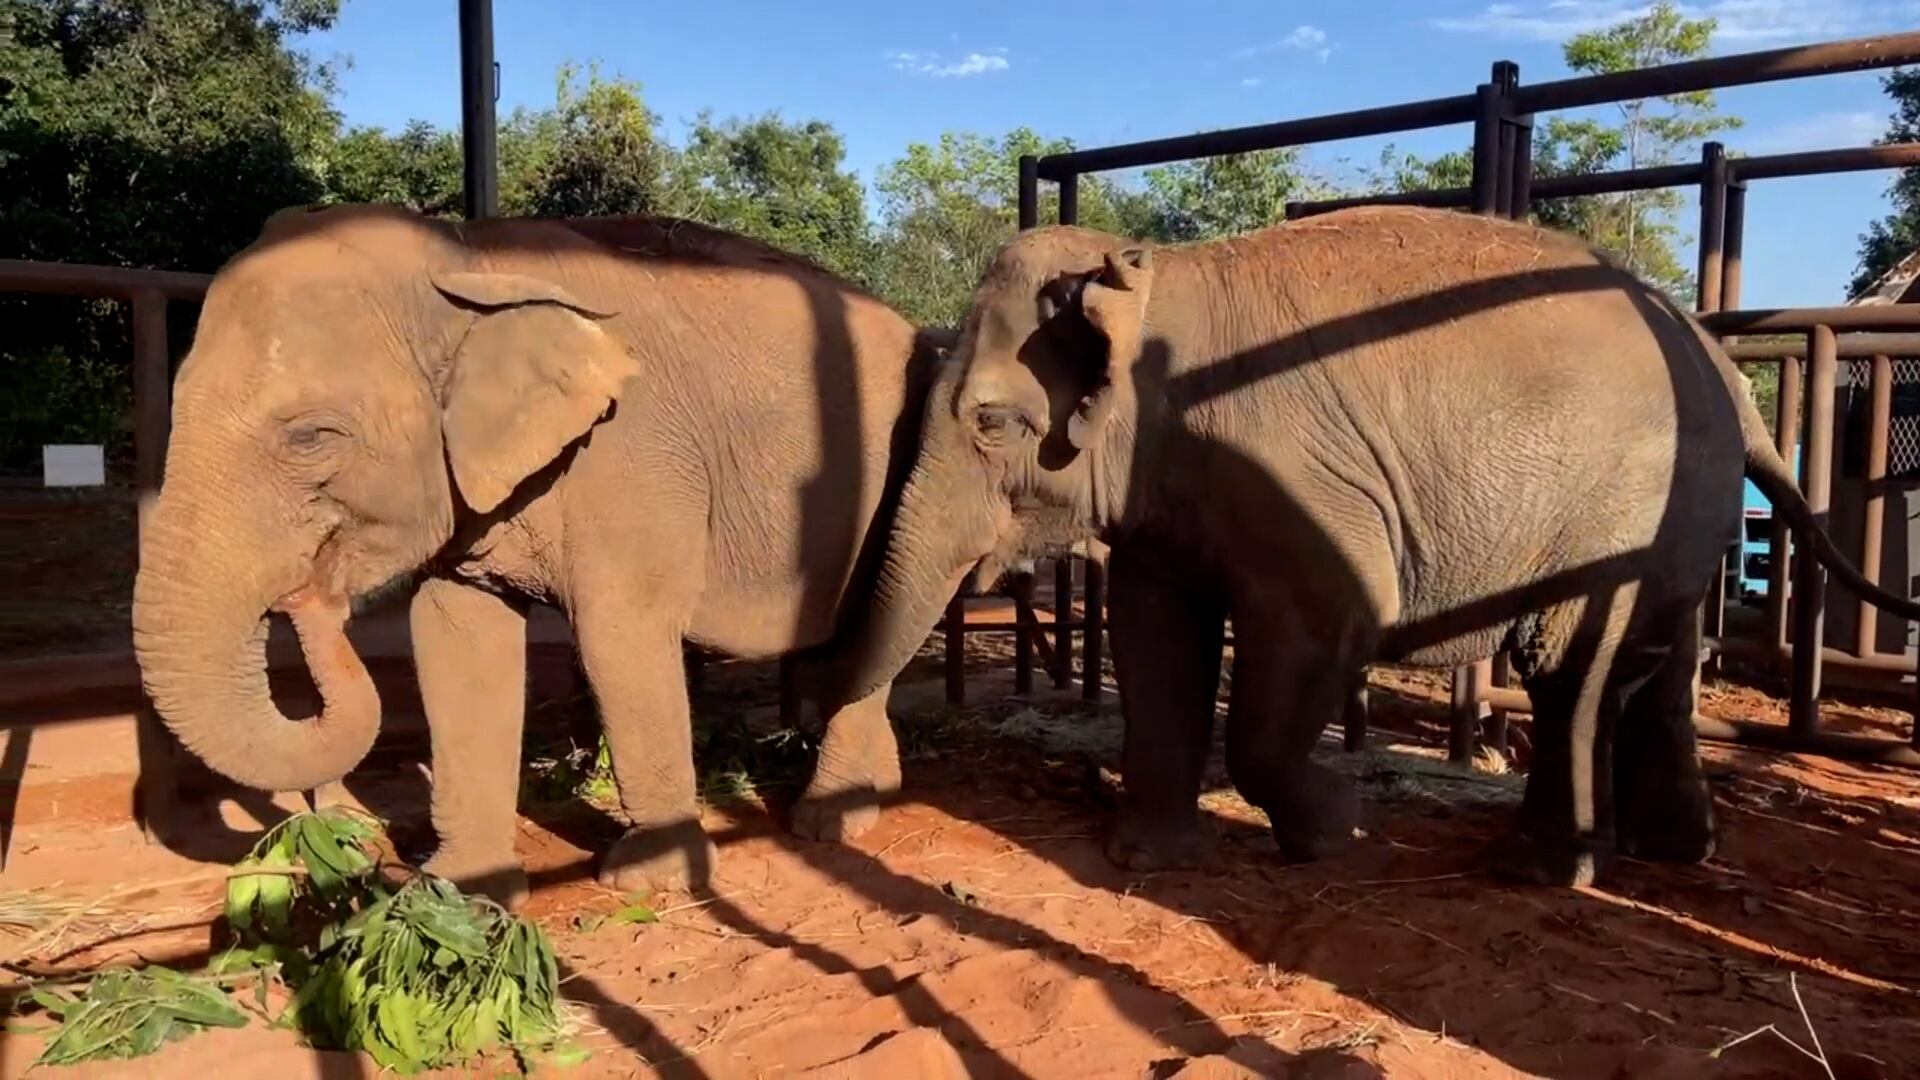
(1250, 82)
(939, 66)
(1753, 23)
(1821, 131)
(1305, 38)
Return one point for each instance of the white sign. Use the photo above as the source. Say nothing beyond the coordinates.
(74, 466)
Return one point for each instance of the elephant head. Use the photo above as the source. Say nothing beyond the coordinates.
(1024, 441)
(360, 377)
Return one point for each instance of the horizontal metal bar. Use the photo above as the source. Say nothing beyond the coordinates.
(1740, 69)
(1880, 751)
(81, 279)
(1768, 167)
(1752, 651)
(1856, 346)
(1894, 317)
(1821, 162)
(1384, 120)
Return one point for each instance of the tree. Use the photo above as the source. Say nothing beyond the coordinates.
(604, 157)
(1892, 238)
(1223, 196)
(782, 183)
(155, 133)
(1638, 227)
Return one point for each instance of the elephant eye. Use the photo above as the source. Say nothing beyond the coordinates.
(994, 424)
(309, 436)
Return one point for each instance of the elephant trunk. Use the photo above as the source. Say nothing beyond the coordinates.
(928, 556)
(200, 632)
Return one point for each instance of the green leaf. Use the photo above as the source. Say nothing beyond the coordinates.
(635, 913)
(242, 891)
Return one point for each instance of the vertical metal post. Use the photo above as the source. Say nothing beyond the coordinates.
(1810, 578)
(954, 626)
(1096, 624)
(151, 408)
(479, 130)
(158, 789)
(1520, 203)
(1070, 199)
(1488, 127)
(1880, 412)
(1023, 627)
(1469, 708)
(1500, 676)
(1786, 427)
(1732, 243)
(1029, 191)
(1359, 711)
(1063, 622)
(1709, 278)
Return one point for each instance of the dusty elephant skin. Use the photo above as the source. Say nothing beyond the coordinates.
(669, 432)
(1378, 435)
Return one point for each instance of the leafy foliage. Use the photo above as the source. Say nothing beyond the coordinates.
(129, 1013)
(1892, 238)
(332, 846)
(427, 977)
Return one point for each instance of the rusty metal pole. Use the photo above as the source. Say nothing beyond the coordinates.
(1029, 191)
(1880, 412)
(955, 627)
(1486, 148)
(1023, 625)
(1096, 624)
(159, 788)
(1063, 622)
(1810, 578)
(1500, 678)
(1708, 279)
(1786, 426)
(151, 408)
(1732, 244)
(1470, 682)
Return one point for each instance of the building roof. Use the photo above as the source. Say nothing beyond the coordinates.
(1900, 285)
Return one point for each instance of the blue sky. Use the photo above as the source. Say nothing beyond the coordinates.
(887, 73)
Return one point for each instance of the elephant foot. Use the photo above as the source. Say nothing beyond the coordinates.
(1146, 842)
(1674, 840)
(503, 881)
(1552, 860)
(838, 809)
(1313, 814)
(663, 858)
(1676, 826)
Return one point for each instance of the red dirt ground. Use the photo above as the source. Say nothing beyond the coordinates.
(979, 930)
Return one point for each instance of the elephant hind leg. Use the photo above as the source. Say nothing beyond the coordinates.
(1289, 681)
(1663, 806)
(856, 773)
(1578, 680)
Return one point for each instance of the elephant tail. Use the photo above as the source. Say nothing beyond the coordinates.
(1770, 473)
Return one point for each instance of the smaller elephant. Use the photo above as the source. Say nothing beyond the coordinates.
(1377, 435)
(673, 434)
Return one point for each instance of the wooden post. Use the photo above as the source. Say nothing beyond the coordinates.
(1096, 628)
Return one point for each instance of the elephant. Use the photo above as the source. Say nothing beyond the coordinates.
(674, 434)
(1378, 435)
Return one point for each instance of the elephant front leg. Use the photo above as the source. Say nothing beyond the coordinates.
(1166, 654)
(635, 665)
(470, 650)
(857, 771)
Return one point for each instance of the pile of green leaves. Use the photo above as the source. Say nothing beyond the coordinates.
(420, 976)
(428, 978)
(128, 1013)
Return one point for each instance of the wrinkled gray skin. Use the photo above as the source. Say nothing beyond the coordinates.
(669, 432)
(1378, 435)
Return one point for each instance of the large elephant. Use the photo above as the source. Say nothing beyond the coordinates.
(667, 431)
(1378, 435)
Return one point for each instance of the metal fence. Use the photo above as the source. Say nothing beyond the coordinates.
(1502, 111)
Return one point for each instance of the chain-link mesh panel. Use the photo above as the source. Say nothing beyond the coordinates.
(1903, 433)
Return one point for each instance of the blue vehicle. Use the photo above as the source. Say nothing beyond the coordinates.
(1754, 562)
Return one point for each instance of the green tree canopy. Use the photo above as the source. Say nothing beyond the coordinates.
(1892, 238)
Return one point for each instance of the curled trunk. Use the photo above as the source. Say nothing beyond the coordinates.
(200, 633)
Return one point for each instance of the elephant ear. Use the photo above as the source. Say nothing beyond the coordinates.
(534, 373)
(1114, 301)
